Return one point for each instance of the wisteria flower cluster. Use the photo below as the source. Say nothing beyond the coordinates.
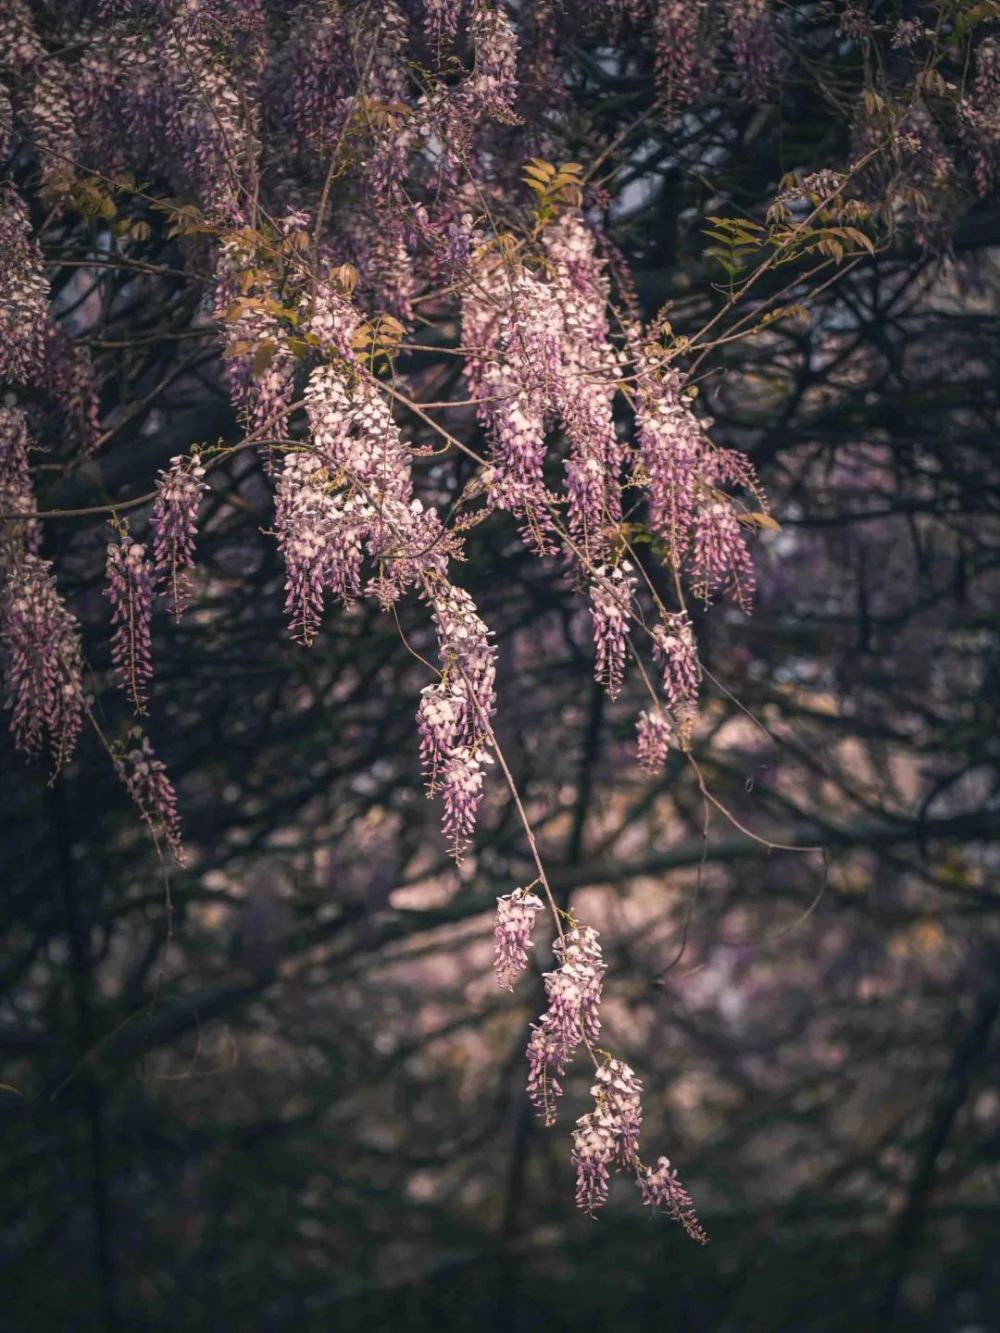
(130, 592)
(606, 1139)
(147, 783)
(24, 292)
(40, 647)
(336, 178)
(174, 522)
(541, 355)
(512, 934)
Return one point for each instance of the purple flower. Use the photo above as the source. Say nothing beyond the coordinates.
(174, 522)
(720, 561)
(24, 293)
(441, 20)
(129, 589)
(16, 494)
(515, 921)
(755, 46)
(42, 660)
(675, 647)
(593, 1150)
(671, 448)
(572, 1016)
(654, 737)
(462, 791)
(980, 115)
(611, 608)
(660, 1188)
(608, 1135)
(491, 89)
(684, 57)
(152, 792)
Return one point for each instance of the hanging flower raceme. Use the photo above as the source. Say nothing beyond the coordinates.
(174, 522)
(514, 370)
(129, 589)
(611, 607)
(24, 293)
(42, 660)
(20, 48)
(606, 1138)
(441, 20)
(16, 493)
(461, 793)
(350, 493)
(660, 1188)
(609, 1135)
(492, 88)
(675, 648)
(440, 719)
(980, 117)
(453, 715)
(236, 27)
(258, 366)
(261, 378)
(356, 484)
(468, 658)
(696, 521)
(585, 385)
(66, 376)
(40, 655)
(671, 450)
(321, 520)
(512, 932)
(721, 561)
(320, 533)
(572, 1016)
(310, 81)
(44, 117)
(654, 736)
(6, 120)
(147, 783)
(755, 45)
(685, 59)
(539, 349)
(330, 318)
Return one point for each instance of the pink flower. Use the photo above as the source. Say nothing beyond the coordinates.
(24, 292)
(608, 1135)
(611, 608)
(674, 646)
(462, 791)
(174, 522)
(660, 1188)
(721, 561)
(42, 660)
(671, 448)
(593, 1149)
(755, 47)
(515, 921)
(16, 494)
(684, 56)
(129, 589)
(654, 737)
(572, 1016)
(147, 783)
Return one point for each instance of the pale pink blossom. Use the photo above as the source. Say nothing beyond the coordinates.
(660, 1188)
(515, 920)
